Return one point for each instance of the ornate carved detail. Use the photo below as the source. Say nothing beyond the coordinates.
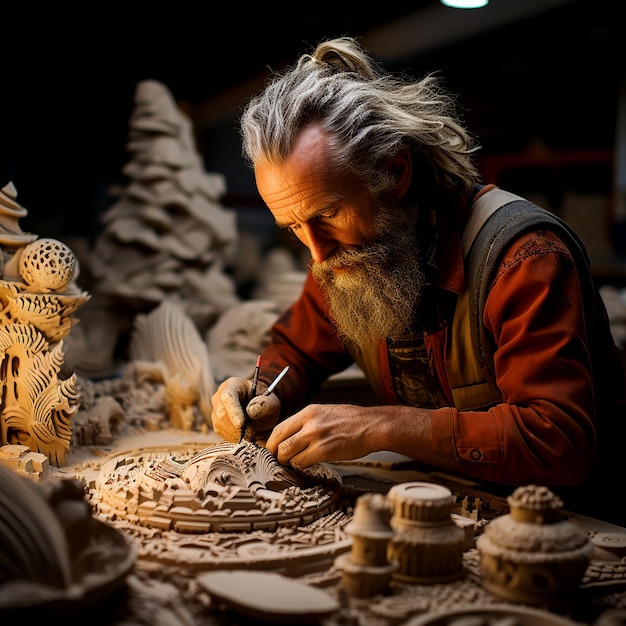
(225, 487)
(37, 403)
(205, 507)
(37, 301)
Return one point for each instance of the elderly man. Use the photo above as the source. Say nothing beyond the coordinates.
(373, 173)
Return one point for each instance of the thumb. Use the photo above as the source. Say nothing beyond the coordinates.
(264, 407)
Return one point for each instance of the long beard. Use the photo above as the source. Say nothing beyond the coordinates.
(375, 293)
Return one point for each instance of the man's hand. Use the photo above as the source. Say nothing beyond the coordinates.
(230, 404)
(325, 433)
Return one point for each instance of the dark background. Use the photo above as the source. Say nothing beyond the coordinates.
(545, 78)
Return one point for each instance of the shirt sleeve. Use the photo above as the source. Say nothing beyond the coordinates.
(544, 429)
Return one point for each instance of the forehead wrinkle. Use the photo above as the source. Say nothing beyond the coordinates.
(303, 196)
(303, 185)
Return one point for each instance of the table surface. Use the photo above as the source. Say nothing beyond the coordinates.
(161, 589)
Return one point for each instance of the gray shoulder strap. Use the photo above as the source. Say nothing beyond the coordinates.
(482, 209)
(499, 221)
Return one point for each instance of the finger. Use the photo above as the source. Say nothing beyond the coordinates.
(280, 432)
(282, 440)
(227, 431)
(299, 461)
(232, 405)
(289, 450)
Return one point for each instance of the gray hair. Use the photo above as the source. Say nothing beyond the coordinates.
(369, 114)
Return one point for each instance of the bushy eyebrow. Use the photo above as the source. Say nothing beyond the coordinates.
(331, 206)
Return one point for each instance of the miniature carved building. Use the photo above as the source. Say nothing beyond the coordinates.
(224, 488)
(534, 554)
(427, 545)
(366, 570)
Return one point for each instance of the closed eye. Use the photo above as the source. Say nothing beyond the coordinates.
(328, 214)
(323, 216)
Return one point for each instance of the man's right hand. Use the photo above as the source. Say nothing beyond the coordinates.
(230, 403)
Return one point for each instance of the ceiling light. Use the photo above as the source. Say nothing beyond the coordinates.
(465, 4)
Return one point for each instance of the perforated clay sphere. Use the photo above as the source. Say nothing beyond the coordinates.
(47, 264)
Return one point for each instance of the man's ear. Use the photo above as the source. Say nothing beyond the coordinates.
(400, 167)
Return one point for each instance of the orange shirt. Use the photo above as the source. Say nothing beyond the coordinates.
(544, 428)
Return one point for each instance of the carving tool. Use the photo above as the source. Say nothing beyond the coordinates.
(267, 393)
(255, 380)
(255, 377)
(276, 381)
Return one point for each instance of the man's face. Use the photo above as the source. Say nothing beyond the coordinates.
(326, 210)
(363, 255)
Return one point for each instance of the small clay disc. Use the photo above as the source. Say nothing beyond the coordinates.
(267, 595)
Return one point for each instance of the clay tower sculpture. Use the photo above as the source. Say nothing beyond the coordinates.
(166, 236)
(366, 570)
(428, 545)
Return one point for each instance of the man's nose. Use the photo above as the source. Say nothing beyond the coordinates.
(320, 245)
